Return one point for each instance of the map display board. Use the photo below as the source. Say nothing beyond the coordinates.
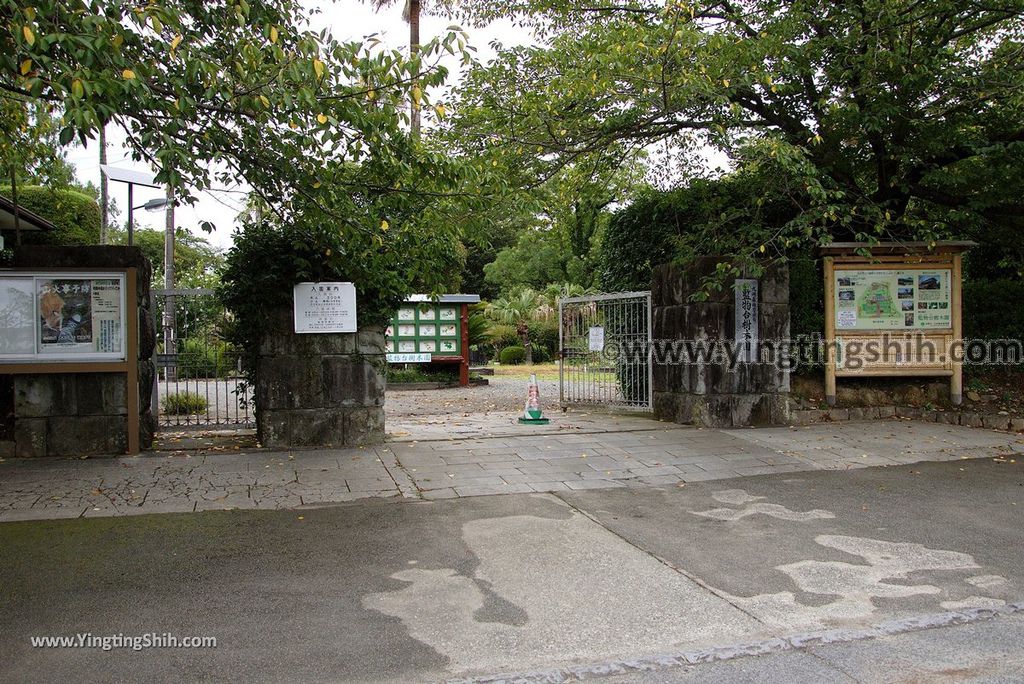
(893, 299)
(425, 328)
(62, 317)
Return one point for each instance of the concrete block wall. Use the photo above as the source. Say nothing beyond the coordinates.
(319, 389)
(714, 395)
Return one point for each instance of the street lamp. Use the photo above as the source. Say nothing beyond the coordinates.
(133, 178)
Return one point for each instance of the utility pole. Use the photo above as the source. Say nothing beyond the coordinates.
(413, 9)
(104, 198)
(169, 311)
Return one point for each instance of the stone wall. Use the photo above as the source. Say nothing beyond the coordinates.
(708, 394)
(319, 389)
(85, 414)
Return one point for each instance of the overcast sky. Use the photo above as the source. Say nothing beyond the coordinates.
(347, 20)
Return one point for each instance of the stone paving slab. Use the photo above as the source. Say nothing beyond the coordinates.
(652, 455)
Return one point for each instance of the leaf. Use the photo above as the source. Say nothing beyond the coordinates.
(26, 66)
(175, 43)
(128, 74)
(30, 37)
(321, 118)
(273, 34)
(318, 68)
(77, 89)
(384, 226)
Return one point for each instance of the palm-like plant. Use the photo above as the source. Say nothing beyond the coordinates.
(411, 14)
(517, 309)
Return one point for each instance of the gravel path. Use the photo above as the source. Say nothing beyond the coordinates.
(502, 394)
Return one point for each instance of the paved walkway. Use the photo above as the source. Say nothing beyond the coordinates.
(573, 454)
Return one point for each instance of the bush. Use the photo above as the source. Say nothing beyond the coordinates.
(541, 354)
(512, 356)
(184, 403)
(75, 215)
(544, 335)
(501, 336)
(993, 309)
(200, 359)
(417, 374)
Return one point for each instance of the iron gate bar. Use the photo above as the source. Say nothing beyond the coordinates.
(584, 376)
(227, 406)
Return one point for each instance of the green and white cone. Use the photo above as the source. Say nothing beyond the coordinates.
(532, 413)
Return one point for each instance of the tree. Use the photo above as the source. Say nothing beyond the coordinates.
(232, 82)
(227, 90)
(517, 309)
(886, 119)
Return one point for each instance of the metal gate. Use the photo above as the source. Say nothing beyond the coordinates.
(199, 381)
(606, 352)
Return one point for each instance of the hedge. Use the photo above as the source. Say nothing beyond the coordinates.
(75, 215)
(512, 356)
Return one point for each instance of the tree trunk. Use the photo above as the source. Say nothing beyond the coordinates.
(104, 197)
(524, 335)
(413, 8)
(17, 209)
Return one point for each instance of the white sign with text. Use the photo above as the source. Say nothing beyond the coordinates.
(325, 308)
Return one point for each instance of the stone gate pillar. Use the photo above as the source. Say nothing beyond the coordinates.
(319, 390)
(710, 393)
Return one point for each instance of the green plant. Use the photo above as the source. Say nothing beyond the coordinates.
(184, 403)
(512, 356)
(202, 359)
(415, 374)
(75, 215)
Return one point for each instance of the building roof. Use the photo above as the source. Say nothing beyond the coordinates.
(28, 220)
(940, 247)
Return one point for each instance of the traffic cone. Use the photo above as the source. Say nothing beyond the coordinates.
(532, 414)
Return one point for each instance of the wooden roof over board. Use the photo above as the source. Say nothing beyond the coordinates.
(897, 248)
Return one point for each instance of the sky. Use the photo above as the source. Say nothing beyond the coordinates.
(346, 20)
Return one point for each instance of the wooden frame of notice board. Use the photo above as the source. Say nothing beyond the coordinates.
(895, 313)
(112, 342)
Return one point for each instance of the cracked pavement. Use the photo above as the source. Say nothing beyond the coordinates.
(572, 454)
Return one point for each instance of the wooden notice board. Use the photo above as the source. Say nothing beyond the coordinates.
(894, 312)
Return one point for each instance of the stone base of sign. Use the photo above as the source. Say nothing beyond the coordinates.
(319, 389)
(709, 394)
(85, 414)
(991, 421)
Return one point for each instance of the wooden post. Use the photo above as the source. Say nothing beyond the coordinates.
(956, 381)
(830, 332)
(464, 364)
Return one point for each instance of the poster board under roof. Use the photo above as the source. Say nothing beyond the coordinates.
(893, 309)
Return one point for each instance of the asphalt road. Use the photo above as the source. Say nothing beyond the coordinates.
(632, 583)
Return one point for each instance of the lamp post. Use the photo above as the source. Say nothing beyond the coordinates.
(133, 178)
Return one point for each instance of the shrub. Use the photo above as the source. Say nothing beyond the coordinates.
(199, 359)
(184, 403)
(541, 354)
(993, 309)
(544, 335)
(512, 356)
(75, 215)
(501, 336)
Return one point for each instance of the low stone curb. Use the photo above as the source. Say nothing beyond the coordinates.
(407, 386)
(991, 421)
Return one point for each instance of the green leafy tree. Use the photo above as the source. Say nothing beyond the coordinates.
(886, 119)
(217, 92)
(517, 310)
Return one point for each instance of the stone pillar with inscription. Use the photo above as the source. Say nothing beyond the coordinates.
(316, 386)
(746, 321)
